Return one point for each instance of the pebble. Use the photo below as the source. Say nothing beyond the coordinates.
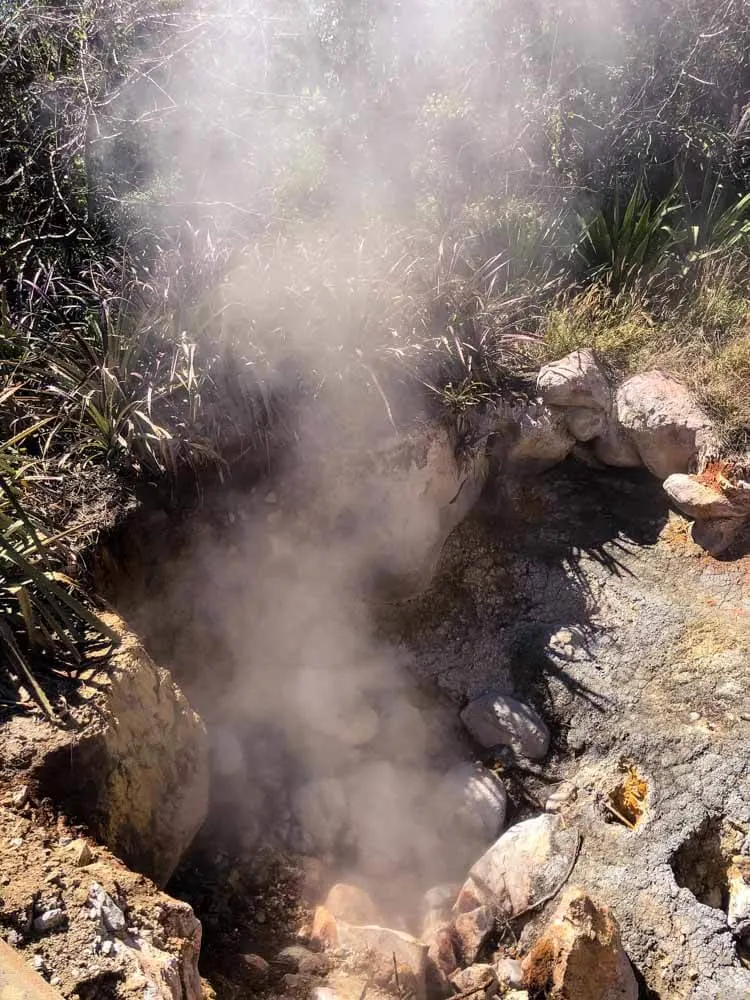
(106, 948)
(49, 920)
(694, 716)
(21, 797)
(81, 853)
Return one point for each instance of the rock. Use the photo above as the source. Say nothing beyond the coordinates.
(738, 912)
(562, 796)
(323, 993)
(80, 853)
(50, 920)
(382, 943)
(516, 995)
(497, 719)
(105, 908)
(351, 904)
(528, 862)
(509, 973)
(481, 978)
(473, 927)
(323, 812)
(409, 492)
(615, 448)
(258, 970)
(138, 773)
(20, 797)
(324, 928)
(580, 955)
(669, 430)
(700, 501)
(585, 425)
(577, 380)
(295, 958)
(533, 438)
(442, 948)
(715, 536)
(475, 801)
(18, 981)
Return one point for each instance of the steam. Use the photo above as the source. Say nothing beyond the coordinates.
(321, 744)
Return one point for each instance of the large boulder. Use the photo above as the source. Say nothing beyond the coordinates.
(499, 720)
(525, 865)
(138, 772)
(577, 380)
(580, 955)
(667, 427)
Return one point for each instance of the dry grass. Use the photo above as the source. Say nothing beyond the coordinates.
(704, 340)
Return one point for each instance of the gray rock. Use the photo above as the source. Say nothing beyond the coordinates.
(615, 448)
(384, 943)
(716, 536)
(296, 958)
(106, 909)
(496, 719)
(475, 801)
(540, 439)
(577, 380)
(669, 430)
(50, 920)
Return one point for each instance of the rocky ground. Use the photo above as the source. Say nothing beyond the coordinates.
(530, 779)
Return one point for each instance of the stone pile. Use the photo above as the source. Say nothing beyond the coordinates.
(649, 420)
(569, 947)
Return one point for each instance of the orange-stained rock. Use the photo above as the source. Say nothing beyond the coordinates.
(351, 904)
(324, 928)
(580, 955)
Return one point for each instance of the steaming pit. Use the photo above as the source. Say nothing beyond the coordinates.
(348, 759)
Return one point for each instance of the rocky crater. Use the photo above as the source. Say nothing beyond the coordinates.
(477, 725)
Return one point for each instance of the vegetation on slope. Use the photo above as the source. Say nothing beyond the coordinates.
(210, 211)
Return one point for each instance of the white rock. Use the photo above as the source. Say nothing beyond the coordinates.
(577, 380)
(669, 430)
(495, 719)
(509, 973)
(481, 978)
(475, 801)
(525, 864)
(700, 501)
(540, 439)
